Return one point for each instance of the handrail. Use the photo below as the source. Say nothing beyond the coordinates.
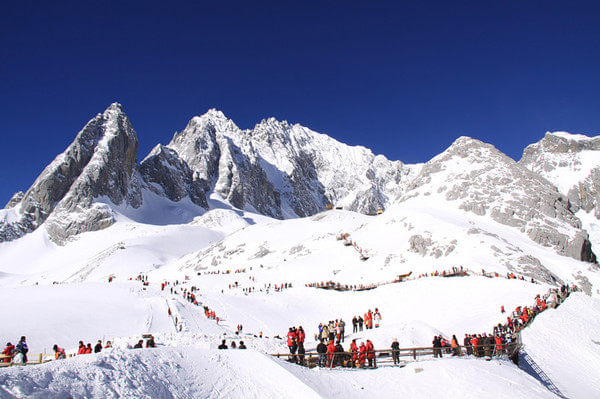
(32, 359)
(385, 355)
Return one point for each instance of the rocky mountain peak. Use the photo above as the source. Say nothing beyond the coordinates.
(570, 162)
(99, 163)
(563, 142)
(478, 178)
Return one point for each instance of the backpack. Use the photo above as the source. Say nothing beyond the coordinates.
(22, 347)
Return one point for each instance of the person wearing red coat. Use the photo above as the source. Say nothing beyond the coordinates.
(498, 340)
(88, 349)
(81, 350)
(370, 352)
(8, 351)
(362, 355)
(475, 345)
(292, 338)
(330, 352)
(354, 349)
(301, 334)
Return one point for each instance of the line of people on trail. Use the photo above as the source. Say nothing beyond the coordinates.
(334, 355)
(18, 354)
(503, 335)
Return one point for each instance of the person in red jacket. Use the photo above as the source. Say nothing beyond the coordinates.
(370, 352)
(301, 335)
(291, 336)
(8, 351)
(354, 349)
(88, 348)
(499, 348)
(475, 344)
(362, 354)
(81, 348)
(330, 352)
(59, 353)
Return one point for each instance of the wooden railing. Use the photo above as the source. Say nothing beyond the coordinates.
(33, 358)
(384, 356)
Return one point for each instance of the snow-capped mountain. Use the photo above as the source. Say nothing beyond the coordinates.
(238, 217)
(275, 169)
(572, 163)
(99, 163)
(478, 178)
(288, 171)
(284, 170)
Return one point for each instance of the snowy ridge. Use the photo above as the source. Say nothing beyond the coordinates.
(238, 217)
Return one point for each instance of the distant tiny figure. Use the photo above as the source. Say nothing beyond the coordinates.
(139, 345)
(88, 348)
(233, 345)
(108, 345)
(242, 346)
(81, 348)
(223, 345)
(98, 347)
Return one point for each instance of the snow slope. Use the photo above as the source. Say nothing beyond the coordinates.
(226, 247)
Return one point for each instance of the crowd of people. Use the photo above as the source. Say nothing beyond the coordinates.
(332, 331)
(503, 335)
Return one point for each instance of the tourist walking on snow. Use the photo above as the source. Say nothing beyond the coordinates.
(59, 353)
(81, 348)
(437, 346)
(321, 350)
(396, 351)
(455, 346)
(377, 318)
(370, 353)
(23, 348)
(8, 352)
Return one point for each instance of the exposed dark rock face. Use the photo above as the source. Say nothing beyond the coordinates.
(99, 163)
(165, 174)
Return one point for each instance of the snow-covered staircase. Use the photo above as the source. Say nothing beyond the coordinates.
(527, 364)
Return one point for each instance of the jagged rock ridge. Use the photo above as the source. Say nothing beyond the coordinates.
(283, 171)
(480, 179)
(571, 162)
(99, 163)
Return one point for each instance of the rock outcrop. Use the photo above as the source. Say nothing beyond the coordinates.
(572, 163)
(480, 179)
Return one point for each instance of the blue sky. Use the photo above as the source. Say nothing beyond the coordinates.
(403, 78)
